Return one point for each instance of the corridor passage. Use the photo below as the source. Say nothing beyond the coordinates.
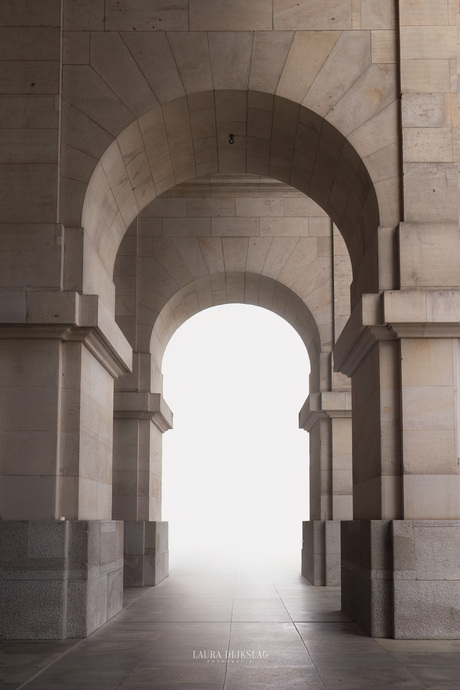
(235, 626)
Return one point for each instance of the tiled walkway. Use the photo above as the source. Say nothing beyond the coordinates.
(237, 628)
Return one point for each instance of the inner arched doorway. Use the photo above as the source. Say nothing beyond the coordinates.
(218, 240)
(235, 466)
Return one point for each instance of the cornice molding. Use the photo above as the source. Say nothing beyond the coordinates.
(392, 315)
(325, 405)
(69, 316)
(143, 405)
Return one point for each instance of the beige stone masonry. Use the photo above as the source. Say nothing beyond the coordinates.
(233, 15)
(429, 255)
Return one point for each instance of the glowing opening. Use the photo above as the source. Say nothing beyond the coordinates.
(235, 466)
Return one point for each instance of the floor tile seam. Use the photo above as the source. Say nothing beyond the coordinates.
(79, 643)
(224, 682)
(310, 656)
(414, 678)
(299, 635)
(52, 663)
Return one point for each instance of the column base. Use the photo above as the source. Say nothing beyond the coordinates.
(401, 578)
(367, 577)
(426, 579)
(146, 554)
(321, 552)
(60, 578)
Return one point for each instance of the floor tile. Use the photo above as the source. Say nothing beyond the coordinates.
(235, 629)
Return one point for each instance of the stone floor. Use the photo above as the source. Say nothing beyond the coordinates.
(237, 626)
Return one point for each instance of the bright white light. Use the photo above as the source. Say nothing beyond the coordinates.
(235, 466)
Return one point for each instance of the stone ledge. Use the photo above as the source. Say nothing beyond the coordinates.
(325, 405)
(143, 405)
(392, 315)
(68, 316)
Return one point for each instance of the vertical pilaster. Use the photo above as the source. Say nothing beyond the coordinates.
(62, 555)
(30, 88)
(141, 418)
(327, 418)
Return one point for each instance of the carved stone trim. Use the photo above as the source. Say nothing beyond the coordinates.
(69, 316)
(143, 405)
(393, 315)
(325, 405)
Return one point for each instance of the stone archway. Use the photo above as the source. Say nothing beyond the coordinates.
(358, 109)
(279, 139)
(224, 239)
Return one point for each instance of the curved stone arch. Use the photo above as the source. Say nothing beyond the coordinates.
(237, 238)
(347, 76)
(234, 288)
(189, 137)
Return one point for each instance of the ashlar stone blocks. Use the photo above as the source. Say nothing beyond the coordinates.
(60, 578)
(146, 553)
(321, 552)
(426, 579)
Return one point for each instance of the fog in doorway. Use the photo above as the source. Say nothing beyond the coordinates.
(235, 468)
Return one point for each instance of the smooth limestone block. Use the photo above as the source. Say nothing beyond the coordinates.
(371, 93)
(120, 15)
(312, 14)
(339, 73)
(230, 15)
(297, 76)
(384, 47)
(268, 59)
(429, 254)
(430, 192)
(428, 42)
(425, 76)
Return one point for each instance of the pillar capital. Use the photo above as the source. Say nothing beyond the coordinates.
(143, 405)
(393, 315)
(69, 317)
(325, 405)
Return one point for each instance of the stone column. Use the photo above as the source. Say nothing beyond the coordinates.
(62, 562)
(401, 348)
(398, 576)
(141, 418)
(327, 418)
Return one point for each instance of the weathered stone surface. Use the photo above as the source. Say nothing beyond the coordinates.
(426, 579)
(146, 553)
(57, 577)
(367, 575)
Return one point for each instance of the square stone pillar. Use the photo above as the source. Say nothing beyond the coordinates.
(321, 552)
(367, 575)
(400, 574)
(401, 578)
(60, 578)
(146, 553)
(426, 587)
(327, 418)
(61, 552)
(141, 418)
(59, 360)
